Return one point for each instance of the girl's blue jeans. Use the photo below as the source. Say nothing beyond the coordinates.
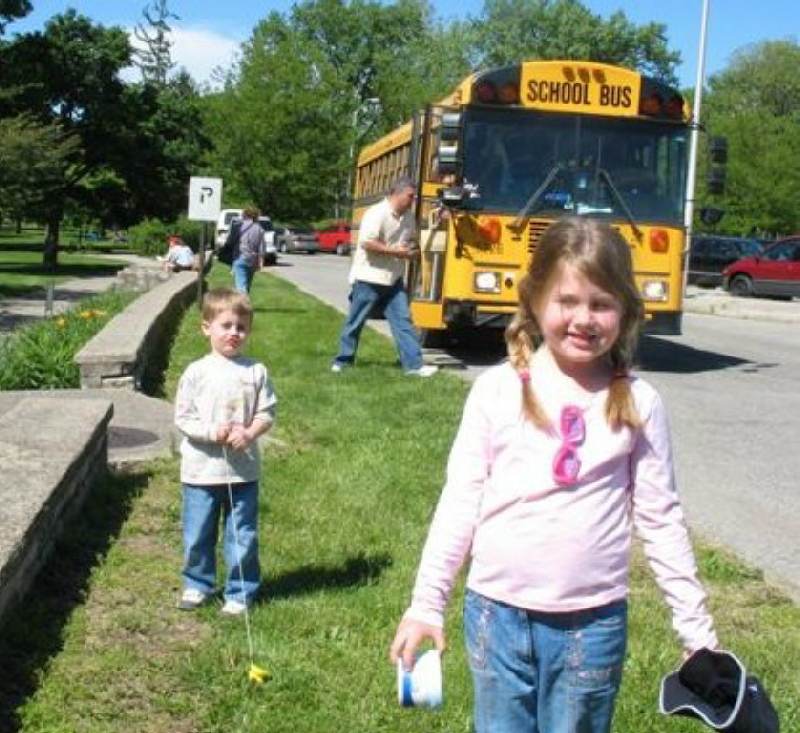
(202, 507)
(242, 275)
(544, 672)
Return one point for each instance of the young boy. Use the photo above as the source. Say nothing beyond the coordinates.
(224, 403)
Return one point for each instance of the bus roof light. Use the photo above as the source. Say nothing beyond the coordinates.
(508, 94)
(651, 105)
(490, 229)
(486, 92)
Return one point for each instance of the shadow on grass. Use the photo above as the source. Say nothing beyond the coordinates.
(355, 571)
(33, 632)
(71, 270)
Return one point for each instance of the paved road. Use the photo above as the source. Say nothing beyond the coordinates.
(733, 390)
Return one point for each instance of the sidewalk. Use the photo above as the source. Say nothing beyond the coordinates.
(142, 426)
(717, 302)
(15, 312)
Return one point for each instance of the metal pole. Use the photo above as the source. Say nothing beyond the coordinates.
(688, 215)
(201, 264)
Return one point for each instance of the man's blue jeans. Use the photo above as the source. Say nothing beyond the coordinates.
(202, 506)
(392, 298)
(242, 275)
(544, 672)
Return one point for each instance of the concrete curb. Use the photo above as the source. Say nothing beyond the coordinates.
(720, 303)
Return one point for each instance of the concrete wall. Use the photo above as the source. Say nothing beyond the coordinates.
(49, 467)
(131, 348)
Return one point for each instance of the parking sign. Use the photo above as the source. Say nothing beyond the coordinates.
(205, 198)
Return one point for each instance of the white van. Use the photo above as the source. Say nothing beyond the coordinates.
(226, 216)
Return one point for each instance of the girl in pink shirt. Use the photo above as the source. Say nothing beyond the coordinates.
(560, 452)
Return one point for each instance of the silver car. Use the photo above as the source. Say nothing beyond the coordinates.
(296, 239)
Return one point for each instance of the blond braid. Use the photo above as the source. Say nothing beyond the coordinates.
(522, 335)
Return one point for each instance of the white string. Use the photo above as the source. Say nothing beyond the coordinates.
(238, 555)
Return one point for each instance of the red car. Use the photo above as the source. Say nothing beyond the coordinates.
(335, 238)
(776, 271)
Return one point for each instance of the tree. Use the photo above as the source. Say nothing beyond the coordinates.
(313, 86)
(33, 159)
(755, 103)
(511, 30)
(12, 9)
(155, 59)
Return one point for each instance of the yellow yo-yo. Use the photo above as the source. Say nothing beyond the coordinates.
(257, 675)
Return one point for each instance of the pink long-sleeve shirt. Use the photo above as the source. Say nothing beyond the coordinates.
(539, 546)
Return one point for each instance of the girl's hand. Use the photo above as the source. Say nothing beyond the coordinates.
(410, 634)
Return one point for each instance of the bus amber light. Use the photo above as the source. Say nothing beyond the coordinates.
(490, 230)
(508, 94)
(659, 240)
(650, 105)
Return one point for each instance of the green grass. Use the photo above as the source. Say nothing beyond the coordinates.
(21, 268)
(347, 496)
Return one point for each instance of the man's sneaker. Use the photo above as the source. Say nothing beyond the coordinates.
(426, 370)
(192, 598)
(337, 367)
(233, 608)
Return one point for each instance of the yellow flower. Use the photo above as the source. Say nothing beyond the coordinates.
(61, 322)
(258, 675)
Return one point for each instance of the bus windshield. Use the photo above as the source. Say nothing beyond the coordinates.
(601, 166)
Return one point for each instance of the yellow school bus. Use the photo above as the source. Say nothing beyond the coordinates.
(511, 150)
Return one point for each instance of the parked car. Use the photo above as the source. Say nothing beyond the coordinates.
(335, 238)
(290, 238)
(269, 256)
(710, 254)
(775, 271)
(226, 216)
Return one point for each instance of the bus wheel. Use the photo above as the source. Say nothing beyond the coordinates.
(741, 286)
(434, 338)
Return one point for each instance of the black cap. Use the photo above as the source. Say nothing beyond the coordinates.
(713, 686)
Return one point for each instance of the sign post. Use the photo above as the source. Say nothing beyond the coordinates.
(205, 202)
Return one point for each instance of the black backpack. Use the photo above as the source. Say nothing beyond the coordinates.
(229, 251)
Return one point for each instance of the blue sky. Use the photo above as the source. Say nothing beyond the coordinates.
(209, 31)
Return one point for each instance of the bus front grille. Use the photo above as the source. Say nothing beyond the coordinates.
(535, 230)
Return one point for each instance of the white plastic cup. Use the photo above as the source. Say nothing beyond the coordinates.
(422, 686)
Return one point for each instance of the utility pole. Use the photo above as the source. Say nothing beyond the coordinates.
(691, 178)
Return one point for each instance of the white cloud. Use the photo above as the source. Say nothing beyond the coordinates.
(198, 50)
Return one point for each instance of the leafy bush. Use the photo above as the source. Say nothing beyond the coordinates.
(42, 356)
(150, 236)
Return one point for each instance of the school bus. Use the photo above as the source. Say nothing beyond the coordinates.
(511, 150)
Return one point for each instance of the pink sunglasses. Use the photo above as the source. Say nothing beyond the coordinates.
(566, 464)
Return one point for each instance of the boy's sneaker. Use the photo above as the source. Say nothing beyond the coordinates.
(233, 608)
(337, 367)
(192, 598)
(426, 370)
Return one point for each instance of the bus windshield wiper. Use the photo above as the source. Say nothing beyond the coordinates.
(621, 201)
(554, 171)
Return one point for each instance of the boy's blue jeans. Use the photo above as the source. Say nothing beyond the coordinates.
(544, 672)
(202, 506)
(242, 275)
(393, 298)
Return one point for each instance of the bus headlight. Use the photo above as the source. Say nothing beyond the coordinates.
(486, 282)
(655, 290)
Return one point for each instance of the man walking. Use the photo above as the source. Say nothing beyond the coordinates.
(385, 242)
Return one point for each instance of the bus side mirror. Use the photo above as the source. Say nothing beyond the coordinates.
(716, 180)
(453, 196)
(447, 154)
(718, 150)
(711, 215)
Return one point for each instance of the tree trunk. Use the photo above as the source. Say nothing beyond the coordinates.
(50, 254)
(19, 225)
